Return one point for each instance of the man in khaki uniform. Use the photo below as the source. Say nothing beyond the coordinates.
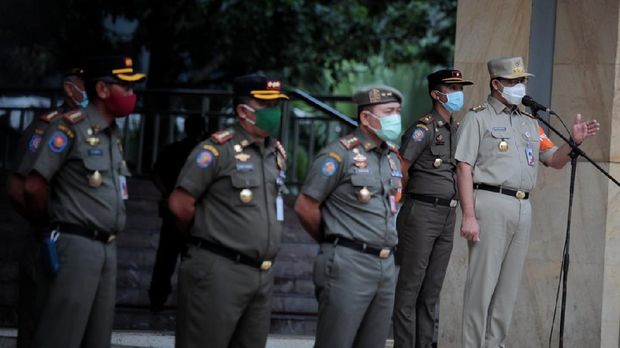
(349, 204)
(498, 152)
(32, 283)
(80, 163)
(426, 220)
(231, 188)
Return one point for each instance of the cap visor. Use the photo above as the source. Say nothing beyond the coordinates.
(131, 78)
(268, 95)
(456, 81)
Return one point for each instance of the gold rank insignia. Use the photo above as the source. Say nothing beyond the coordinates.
(242, 157)
(478, 108)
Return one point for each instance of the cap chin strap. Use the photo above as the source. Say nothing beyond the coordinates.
(250, 109)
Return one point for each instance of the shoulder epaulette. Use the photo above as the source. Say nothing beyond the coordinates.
(478, 108)
(223, 136)
(281, 150)
(350, 141)
(428, 119)
(49, 117)
(74, 117)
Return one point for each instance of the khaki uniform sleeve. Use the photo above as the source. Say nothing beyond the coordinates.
(414, 142)
(200, 169)
(469, 136)
(325, 174)
(53, 150)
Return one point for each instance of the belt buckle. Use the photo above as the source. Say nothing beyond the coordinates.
(385, 253)
(453, 203)
(265, 265)
(520, 194)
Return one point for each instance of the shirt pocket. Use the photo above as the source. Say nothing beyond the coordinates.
(96, 159)
(361, 181)
(501, 139)
(245, 186)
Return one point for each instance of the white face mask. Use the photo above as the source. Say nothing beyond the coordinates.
(514, 94)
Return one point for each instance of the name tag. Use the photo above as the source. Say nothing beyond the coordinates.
(529, 154)
(245, 167)
(95, 152)
(122, 184)
(279, 208)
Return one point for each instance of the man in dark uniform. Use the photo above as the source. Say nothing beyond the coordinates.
(80, 164)
(32, 283)
(349, 204)
(231, 189)
(171, 242)
(426, 220)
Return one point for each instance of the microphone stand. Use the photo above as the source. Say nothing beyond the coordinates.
(576, 152)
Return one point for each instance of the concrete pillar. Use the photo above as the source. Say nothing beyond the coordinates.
(586, 79)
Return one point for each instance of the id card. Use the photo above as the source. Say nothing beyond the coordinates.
(529, 154)
(122, 184)
(279, 208)
(393, 205)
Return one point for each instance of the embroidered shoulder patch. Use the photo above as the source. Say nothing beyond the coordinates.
(34, 142)
(418, 135)
(211, 148)
(204, 158)
(329, 167)
(58, 142)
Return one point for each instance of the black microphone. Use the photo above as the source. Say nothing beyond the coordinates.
(534, 105)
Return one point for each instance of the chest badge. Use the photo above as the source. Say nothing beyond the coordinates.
(243, 157)
(238, 148)
(95, 179)
(93, 141)
(439, 140)
(363, 195)
(360, 160)
(246, 195)
(503, 146)
(437, 163)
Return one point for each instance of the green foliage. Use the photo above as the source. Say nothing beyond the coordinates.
(207, 42)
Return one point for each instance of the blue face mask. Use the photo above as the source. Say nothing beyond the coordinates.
(455, 101)
(84, 102)
(390, 127)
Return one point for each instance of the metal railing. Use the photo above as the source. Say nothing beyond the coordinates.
(309, 122)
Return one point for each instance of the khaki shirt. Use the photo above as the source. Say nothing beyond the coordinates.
(488, 128)
(30, 140)
(69, 164)
(220, 173)
(338, 174)
(430, 146)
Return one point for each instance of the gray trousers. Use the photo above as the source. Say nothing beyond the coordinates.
(222, 303)
(79, 310)
(425, 235)
(494, 268)
(356, 297)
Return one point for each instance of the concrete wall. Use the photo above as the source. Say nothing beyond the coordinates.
(585, 75)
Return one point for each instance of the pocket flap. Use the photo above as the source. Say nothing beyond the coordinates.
(362, 180)
(244, 180)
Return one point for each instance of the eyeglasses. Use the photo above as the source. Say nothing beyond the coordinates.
(512, 82)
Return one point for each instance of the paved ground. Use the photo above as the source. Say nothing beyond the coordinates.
(127, 339)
